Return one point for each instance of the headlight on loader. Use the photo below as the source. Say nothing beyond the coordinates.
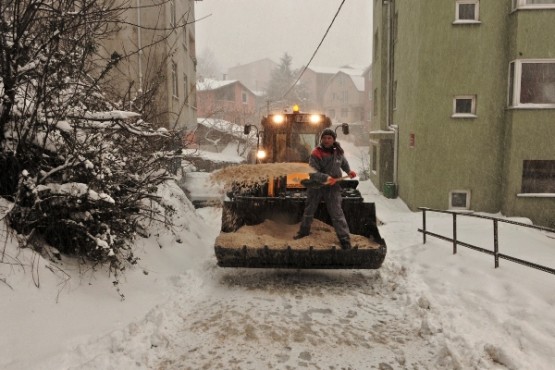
(261, 154)
(315, 118)
(278, 118)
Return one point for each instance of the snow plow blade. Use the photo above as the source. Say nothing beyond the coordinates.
(246, 239)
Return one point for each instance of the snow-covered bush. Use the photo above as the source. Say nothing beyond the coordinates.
(82, 175)
(93, 187)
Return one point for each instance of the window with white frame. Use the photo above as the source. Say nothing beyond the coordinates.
(533, 4)
(459, 199)
(175, 89)
(244, 97)
(467, 11)
(538, 176)
(464, 106)
(532, 83)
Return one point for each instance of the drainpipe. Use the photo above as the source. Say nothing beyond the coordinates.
(389, 117)
(140, 47)
(395, 129)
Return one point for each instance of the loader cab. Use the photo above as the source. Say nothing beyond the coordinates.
(278, 204)
(290, 137)
(295, 147)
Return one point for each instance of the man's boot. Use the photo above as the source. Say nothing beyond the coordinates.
(303, 231)
(345, 243)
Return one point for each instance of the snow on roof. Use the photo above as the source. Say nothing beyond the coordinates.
(211, 84)
(333, 70)
(222, 126)
(359, 82)
(259, 93)
(227, 155)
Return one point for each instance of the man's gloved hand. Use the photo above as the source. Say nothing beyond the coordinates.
(352, 174)
(331, 180)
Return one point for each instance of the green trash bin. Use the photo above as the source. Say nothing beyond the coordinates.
(390, 190)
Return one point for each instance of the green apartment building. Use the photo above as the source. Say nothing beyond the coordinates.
(464, 105)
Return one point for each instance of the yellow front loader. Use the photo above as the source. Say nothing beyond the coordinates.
(259, 221)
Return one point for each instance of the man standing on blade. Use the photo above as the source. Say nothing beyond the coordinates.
(328, 160)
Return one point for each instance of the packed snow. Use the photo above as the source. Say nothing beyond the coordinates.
(425, 308)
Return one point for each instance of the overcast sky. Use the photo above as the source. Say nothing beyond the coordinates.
(242, 31)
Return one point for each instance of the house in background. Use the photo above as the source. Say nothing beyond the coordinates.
(255, 75)
(228, 100)
(465, 104)
(343, 99)
(316, 81)
(212, 137)
(160, 75)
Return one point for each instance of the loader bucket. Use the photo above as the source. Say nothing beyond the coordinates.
(236, 249)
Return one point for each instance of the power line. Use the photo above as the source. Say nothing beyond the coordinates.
(315, 51)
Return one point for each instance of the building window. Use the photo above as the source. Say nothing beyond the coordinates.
(532, 83)
(467, 11)
(186, 87)
(375, 102)
(394, 95)
(244, 97)
(374, 159)
(192, 96)
(459, 199)
(464, 106)
(173, 16)
(395, 28)
(345, 97)
(533, 4)
(375, 51)
(175, 89)
(538, 176)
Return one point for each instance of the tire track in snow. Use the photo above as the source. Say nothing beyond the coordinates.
(294, 320)
(272, 319)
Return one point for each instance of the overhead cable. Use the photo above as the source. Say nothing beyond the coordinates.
(315, 51)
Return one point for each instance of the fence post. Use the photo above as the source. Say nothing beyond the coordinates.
(454, 233)
(495, 244)
(424, 226)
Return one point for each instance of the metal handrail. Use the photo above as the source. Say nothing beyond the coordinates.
(495, 253)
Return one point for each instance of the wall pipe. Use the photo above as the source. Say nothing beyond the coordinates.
(390, 73)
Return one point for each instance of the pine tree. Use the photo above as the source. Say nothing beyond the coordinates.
(281, 92)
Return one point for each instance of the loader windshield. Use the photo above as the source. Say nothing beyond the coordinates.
(295, 147)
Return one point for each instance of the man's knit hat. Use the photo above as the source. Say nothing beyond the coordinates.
(330, 132)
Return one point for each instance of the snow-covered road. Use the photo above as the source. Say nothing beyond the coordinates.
(287, 319)
(425, 308)
(280, 319)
